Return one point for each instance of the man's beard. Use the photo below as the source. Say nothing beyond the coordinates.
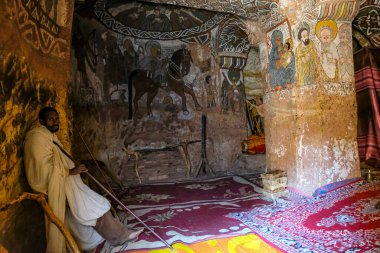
(325, 44)
(53, 128)
(306, 42)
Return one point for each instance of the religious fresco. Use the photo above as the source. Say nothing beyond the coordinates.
(307, 57)
(233, 92)
(252, 75)
(136, 71)
(232, 44)
(155, 74)
(166, 22)
(326, 31)
(136, 88)
(101, 43)
(256, 115)
(267, 13)
(345, 53)
(41, 23)
(306, 10)
(281, 58)
(232, 49)
(254, 91)
(130, 70)
(211, 92)
(323, 53)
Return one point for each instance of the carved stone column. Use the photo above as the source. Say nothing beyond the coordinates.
(311, 117)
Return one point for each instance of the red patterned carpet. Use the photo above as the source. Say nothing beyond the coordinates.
(189, 212)
(342, 220)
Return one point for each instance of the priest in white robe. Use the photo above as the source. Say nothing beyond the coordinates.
(84, 212)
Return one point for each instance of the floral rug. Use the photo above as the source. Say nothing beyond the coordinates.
(189, 212)
(343, 220)
(238, 244)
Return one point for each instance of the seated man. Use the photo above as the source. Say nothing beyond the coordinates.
(51, 172)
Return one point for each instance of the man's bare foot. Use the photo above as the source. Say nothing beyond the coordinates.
(128, 235)
(134, 233)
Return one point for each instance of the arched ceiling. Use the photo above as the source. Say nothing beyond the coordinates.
(178, 17)
(268, 11)
(193, 18)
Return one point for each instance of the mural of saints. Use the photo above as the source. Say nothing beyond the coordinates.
(130, 57)
(153, 63)
(210, 91)
(288, 63)
(281, 62)
(233, 94)
(344, 53)
(114, 73)
(326, 32)
(307, 58)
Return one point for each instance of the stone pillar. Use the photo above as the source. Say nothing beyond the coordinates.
(311, 117)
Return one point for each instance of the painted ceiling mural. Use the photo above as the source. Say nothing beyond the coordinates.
(366, 25)
(136, 35)
(41, 24)
(267, 13)
(148, 21)
(232, 44)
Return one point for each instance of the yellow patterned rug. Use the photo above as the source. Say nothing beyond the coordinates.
(250, 243)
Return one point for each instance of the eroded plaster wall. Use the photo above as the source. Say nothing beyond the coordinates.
(310, 96)
(34, 72)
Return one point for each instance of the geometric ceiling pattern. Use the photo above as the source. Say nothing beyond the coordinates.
(267, 13)
(192, 20)
(366, 24)
(148, 21)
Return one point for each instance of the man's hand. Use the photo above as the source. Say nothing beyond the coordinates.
(78, 169)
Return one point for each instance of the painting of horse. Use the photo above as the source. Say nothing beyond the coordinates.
(178, 66)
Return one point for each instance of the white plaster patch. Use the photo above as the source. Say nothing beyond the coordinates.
(302, 181)
(343, 154)
(266, 98)
(285, 94)
(307, 88)
(280, 151)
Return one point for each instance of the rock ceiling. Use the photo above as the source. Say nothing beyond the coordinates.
(265, 11)
(189, 18)
(126, 17)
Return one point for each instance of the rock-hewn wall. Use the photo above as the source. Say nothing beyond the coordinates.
(34, 72)
(183, 64)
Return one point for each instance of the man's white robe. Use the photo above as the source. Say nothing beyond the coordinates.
(47, 170)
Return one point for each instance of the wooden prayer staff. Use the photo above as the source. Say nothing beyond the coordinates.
(109, 174)
(40, 198)
(116, 199)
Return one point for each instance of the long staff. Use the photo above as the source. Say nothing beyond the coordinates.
(116, 199)
(96, 162)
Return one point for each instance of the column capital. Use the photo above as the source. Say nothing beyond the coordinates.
(337, 10)
(312, 11)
